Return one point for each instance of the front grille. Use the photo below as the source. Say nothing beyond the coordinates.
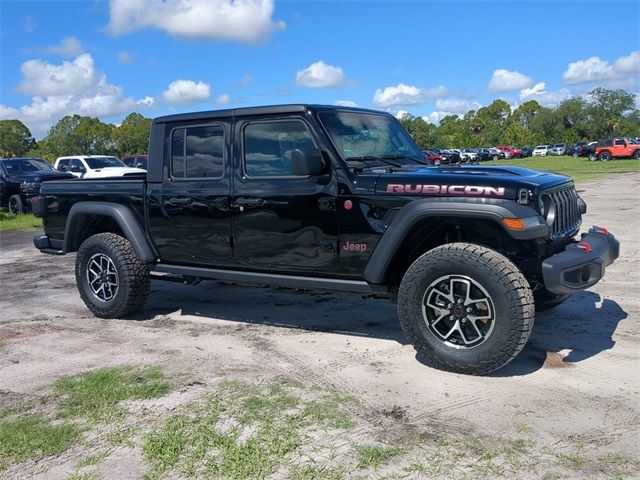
(562, 211)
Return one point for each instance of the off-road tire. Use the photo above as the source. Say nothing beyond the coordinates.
(507, 287)
(133, 276)
(604, 157)
(546, 300)
(636, 155)
(15, 205)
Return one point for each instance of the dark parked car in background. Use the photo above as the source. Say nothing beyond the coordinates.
(483, 154)
(136, 161)
(20, 180)
(448, 155)
(526, 151)
(582, 149)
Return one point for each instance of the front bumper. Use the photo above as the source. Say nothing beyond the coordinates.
(582, 264)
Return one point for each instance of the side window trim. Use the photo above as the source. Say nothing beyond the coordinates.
(184, 153)
(243, 161)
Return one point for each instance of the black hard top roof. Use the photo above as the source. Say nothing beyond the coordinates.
(266, 110)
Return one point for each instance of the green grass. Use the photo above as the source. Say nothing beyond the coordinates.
(373, 456)
(244, 431)
(581, 169)
(34, 436)
(97, 394)
(21, 222)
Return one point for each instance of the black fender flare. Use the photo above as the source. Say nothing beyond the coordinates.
(124, 217)
(412, 213)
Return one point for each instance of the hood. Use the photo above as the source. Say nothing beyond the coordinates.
(40, 176)
(467, 181)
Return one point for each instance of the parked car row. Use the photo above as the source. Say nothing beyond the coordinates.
(20, 177)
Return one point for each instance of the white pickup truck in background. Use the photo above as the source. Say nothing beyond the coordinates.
(95, 166)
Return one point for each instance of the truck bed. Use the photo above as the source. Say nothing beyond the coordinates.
(61, 195)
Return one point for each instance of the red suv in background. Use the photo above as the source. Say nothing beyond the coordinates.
(513, 151)
(433, 158)
(616, 148)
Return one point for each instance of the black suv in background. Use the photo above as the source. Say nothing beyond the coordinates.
(20, 180)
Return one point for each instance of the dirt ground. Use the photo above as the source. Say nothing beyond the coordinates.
(577, 382)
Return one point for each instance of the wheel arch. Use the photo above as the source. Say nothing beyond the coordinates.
(88, 218)
(426, 224)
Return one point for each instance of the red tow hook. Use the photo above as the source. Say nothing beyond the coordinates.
(601, 230)
(584, 246)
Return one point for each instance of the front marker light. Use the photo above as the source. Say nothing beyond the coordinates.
(513, 223)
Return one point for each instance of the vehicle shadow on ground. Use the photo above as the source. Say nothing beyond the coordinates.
(584, 324)
(342, 314)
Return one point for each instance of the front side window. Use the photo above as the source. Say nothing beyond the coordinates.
(197, 152)
(77, 165)
(268, 147)
(620, 142)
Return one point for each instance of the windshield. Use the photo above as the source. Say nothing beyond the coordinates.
(541, 147)
(103, 162)
(357, 135)
(17, 166)
(632, 141)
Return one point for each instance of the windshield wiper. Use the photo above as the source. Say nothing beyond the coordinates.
(396, 157)
(372, 158)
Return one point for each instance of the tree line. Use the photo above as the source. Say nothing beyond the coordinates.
(600, 114)
(77, 135)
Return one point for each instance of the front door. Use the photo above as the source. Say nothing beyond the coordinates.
(189, 212)
(282, 222)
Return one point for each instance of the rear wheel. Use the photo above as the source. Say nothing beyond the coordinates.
(15, 205)
(495, 157)
(604, 157)
(111, 279)
(465, 308)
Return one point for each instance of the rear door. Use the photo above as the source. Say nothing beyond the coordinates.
(189, 211)
(282, 221)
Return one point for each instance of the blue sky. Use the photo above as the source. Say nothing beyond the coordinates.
(108, 58)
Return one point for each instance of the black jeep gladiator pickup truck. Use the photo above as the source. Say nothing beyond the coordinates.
(339, 199)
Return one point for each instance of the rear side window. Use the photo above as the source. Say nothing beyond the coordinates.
(268, 147)
(197, 152)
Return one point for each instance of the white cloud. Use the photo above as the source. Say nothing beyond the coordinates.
(146, 101)
(402, 95)
(320, 75)
(507, 81)
(436, 117)
(346, 103)
(183, 92)
(125, 57)
(29, 24)
(540, 94)
(455, 105)
(68, 78)
(65, 89)
(68, 47)
(245, 21)
(595, 69)
(400, 114)
(223, 99)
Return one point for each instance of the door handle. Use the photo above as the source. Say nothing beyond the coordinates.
(179, 201)
(243, 203)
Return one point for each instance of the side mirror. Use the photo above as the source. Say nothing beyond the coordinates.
(307, 162)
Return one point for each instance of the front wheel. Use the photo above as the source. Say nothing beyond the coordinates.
(111, 279)
(465, 308)
(15, 206)
(636, 155)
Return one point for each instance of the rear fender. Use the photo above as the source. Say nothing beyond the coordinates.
(123, 216)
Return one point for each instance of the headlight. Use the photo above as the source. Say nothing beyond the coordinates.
(30, 187)
(547, 208)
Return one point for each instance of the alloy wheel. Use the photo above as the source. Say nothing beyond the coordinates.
(102, 277)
